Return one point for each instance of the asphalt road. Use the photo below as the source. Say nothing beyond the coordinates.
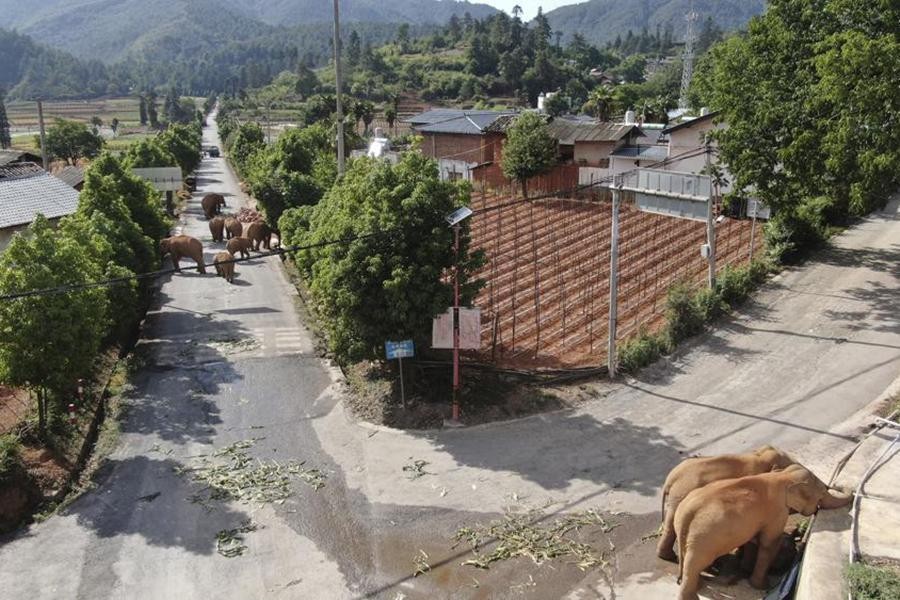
(234, 362)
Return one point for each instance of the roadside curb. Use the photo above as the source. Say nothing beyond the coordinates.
(826, 554)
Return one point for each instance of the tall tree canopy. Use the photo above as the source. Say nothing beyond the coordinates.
(529, 149)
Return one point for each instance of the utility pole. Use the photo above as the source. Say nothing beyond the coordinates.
(43, 136)
(711, 223)
(337, 85)
(456, 322)
(613, 279)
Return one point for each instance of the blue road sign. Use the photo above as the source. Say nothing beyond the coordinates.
(402, 349)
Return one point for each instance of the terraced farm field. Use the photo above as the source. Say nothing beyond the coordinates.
(546, 302)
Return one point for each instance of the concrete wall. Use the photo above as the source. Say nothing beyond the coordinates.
(593, 154)
(456, 169)
(690, 139)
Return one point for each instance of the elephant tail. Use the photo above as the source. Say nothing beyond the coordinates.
(681, 537)
(662, 509)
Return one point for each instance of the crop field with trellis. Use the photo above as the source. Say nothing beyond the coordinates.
(546, 299)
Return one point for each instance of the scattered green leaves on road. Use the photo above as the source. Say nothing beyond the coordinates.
(415, 469)
(230, 542)
(231, 473)
(421, 563)
(525, 534)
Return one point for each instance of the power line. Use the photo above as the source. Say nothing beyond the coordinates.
(64, 289)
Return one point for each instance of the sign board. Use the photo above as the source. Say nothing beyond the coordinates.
(164, 179)
(469, 330)
(681, 195)
(399, 350)
(755, 208)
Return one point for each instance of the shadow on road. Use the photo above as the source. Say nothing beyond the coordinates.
(557, 449)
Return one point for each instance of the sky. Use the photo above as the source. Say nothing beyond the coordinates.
(529, 7)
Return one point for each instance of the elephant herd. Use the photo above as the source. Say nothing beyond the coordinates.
(712, 505)
(223, 228)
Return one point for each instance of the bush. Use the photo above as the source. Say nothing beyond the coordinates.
(873, 583)
(10, 459)
(734, 285)
(639, 351)
(791, 233)
(684, 315)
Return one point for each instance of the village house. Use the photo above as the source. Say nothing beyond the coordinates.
(14, 157)
(590, 144)
(73, 176)
(460, 140)
(26, 190)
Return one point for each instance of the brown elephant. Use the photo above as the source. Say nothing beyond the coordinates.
(216, 228)
(233, 228)
(224, 268)
(715, 519)
(697, 472)
(239, 245)
(259, 233)
(212, 204)
(180, 246)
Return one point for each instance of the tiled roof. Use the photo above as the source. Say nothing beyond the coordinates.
(16, 156)
(70, 175)
(569, 131)
(642, 152)
(690, 122)
(471, 122)
(26, 190)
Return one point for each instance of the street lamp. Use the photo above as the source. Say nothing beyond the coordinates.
(455, 220)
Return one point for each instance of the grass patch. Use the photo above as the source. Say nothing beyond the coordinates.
(10, 458)
(873, 583)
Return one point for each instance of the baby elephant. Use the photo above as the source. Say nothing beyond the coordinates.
(697, 472)
(223, 267)
(233, 228)
(216, 227)
(717, 518)
(239, 245)
(180, 246)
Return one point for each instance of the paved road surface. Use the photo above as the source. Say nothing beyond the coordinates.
(234, 362)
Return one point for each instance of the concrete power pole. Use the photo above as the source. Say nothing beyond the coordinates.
(688, 72)
(337, 86)
(43, 136)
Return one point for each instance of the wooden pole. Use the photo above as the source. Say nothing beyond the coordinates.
(44, 156)
(337, 83)
(613, 281)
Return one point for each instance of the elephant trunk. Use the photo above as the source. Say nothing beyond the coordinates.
(835, 499)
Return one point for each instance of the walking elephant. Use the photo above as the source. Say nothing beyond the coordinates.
(224, 268)
(216, 228)
(715, 519)
(180, 246)
(212, 204)
(233, 228)
(694, 473)
(239, 245)
(260, 233)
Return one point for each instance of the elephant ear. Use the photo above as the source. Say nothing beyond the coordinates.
(803, 497)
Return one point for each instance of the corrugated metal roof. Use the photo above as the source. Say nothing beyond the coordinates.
(569, 131)
(642, 152)
(23, 195)
(435, 115)
(690, 122)
(70, 175)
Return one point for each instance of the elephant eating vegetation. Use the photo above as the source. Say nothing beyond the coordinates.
(715, 519)
(696, 472)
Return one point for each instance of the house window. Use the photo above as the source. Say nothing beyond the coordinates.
(454, 176)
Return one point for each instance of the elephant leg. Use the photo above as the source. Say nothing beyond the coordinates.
(175, 258)
(690, 576)
(664, 549)
(201, 268)
(769, 543)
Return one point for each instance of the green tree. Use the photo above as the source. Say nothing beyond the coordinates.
(142, 109)
(247, 139)
(5, 138)
(307, 82)
(529, 149)
(556, 105)
(50, 341)
(354, 49)
(183, 142)
(71, 141)
(152, 113)
(390, 115)
(368, 115)
(141, 198)
(114, 125)
(148, 152)
(403, 38)
(600, 103)
(389, 285)
(96, 124)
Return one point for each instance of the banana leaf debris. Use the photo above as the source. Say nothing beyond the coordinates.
(231, 473)
(526, 534)
(230, 542)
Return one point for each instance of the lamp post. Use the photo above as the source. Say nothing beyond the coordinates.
(455, 220)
